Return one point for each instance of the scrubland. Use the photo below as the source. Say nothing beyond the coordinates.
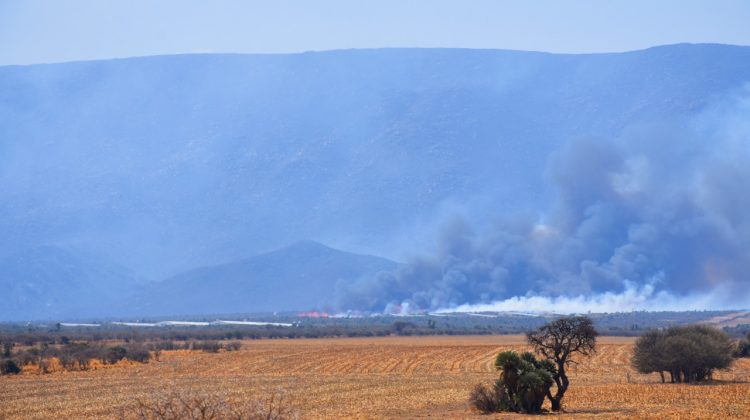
(384, 377)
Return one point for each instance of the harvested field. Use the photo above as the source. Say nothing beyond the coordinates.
(390, 377)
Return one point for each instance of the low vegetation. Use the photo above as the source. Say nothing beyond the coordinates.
(528, 382)
(687, 353)
(487, 400)
(78, 356)
(614, 324)
(743, 348)
(558, 342)
(196, 405)
(525, 381)
(9, 367)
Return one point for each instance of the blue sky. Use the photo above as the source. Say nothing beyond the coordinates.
(35, 31)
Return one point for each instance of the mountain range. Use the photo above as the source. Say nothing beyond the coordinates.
(131, 171)
(51, 283)
(304, 275)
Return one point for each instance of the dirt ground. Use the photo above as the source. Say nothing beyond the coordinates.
(389, 377)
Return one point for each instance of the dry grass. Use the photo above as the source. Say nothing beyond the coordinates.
(387, 377)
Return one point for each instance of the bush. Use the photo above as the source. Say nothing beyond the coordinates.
(28, 357)
(7, 348)
(137, 353)
(177, 405)
(688, 354)
(9, 367)
(168, 345)
(524, 383)
(743, 348)
(488, 400)
(404, 328)
(525, 379)
(115, 354)
(76, 355)
(233, 346)
(207, 346)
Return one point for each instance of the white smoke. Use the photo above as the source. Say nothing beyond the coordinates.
(633, 298)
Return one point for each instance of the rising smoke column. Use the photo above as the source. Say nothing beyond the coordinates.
(658, 218)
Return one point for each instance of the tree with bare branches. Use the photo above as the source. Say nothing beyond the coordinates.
(558, 341)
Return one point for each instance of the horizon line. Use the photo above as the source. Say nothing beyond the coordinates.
(336, 50)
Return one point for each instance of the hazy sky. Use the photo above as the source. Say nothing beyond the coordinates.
(35, 31)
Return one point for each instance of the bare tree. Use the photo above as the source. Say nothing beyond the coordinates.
(558, 341)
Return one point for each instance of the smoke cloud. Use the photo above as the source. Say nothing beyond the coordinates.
(657, 218)
(633, 298)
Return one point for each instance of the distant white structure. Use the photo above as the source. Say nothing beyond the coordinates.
(67, 324)
(276, 324)
(182, 324)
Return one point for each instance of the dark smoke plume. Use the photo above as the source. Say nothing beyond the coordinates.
(658, 218)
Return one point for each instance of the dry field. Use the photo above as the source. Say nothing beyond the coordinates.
(392, 377)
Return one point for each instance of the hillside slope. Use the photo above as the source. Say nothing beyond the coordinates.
(51, 283)
(175, 161)
(300, 276)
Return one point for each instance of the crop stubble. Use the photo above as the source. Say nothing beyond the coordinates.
(386, 377)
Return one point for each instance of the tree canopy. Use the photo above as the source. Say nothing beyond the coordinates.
(687, 353)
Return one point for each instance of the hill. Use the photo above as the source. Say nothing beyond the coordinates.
(52, 283)
(304, 275)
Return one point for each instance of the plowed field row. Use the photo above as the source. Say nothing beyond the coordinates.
(371, 378)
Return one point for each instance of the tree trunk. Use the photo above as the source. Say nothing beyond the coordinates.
(556, 404)
(561, 380)
(662, 376)
(549, 395)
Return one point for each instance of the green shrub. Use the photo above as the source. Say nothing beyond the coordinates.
(524, 383)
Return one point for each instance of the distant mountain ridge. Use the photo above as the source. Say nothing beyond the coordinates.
(168, 163)
(170, 160)
(300, 276)
(52, 283)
